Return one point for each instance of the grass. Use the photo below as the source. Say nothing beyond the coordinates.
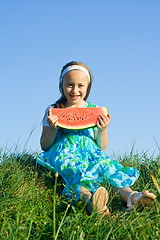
(31, 206)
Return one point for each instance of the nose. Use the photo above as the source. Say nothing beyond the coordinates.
(74, 89)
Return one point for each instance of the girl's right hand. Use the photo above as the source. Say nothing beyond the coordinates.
(52, 120)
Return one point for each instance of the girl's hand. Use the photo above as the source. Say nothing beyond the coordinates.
(103, 122)
(52, 120)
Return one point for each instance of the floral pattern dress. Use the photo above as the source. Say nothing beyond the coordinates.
(80, 162)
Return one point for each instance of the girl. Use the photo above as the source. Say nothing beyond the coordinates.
(78, 155)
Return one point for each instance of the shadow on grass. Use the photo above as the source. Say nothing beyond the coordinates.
(28, 162)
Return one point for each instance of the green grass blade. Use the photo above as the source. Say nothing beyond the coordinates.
(154, 179)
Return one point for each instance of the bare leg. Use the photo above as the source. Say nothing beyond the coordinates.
(85, 193)
(86, 196)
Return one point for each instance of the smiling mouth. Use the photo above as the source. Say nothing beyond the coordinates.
(74, 97)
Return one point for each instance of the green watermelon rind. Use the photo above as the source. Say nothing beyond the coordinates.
(84, 125)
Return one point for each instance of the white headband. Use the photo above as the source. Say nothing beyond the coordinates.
(75, 67)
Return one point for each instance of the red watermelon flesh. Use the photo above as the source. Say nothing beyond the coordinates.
(78, 118)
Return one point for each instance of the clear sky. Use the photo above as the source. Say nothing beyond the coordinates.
(119, 40)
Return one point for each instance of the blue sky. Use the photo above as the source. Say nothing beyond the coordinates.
(118, 40)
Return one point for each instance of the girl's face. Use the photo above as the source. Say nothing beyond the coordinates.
(75, 84)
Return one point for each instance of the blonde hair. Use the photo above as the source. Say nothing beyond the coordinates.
(61, 101)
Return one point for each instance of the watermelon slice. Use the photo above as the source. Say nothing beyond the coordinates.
(78, 118)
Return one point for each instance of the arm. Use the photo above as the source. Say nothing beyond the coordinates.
(49, 133)
(101, 135)
(47, 138)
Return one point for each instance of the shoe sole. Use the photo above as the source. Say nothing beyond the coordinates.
(99, 201)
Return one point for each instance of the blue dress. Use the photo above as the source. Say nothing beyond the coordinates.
(80, 162)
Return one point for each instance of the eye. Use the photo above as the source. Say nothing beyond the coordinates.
(81, 85)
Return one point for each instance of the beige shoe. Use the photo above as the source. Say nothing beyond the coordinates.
(99, 201)
(140, 201)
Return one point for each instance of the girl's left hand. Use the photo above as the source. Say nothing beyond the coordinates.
(103, 121)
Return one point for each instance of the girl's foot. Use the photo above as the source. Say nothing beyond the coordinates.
(139, 200)
(99, 201)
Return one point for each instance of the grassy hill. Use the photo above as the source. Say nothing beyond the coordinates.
(31, 206)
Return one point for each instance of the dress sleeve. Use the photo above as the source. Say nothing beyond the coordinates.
(44, 121)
